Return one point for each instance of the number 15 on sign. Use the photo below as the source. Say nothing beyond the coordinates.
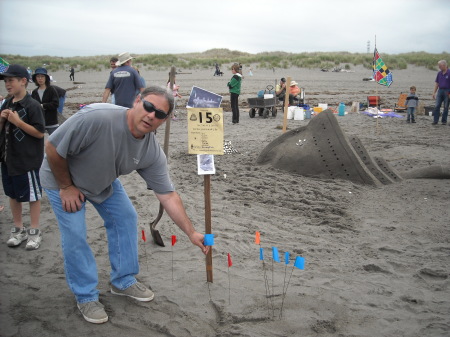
(205, 130)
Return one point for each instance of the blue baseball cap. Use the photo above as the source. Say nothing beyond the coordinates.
(15, 70)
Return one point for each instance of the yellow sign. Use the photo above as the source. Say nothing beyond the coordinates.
(205, 130)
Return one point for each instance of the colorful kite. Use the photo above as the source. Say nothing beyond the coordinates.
(381, 73)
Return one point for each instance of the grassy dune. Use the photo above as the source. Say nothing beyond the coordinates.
(208, 58)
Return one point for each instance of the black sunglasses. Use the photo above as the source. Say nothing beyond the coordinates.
(149, 107)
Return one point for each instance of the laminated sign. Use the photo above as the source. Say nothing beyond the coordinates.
(205, 130)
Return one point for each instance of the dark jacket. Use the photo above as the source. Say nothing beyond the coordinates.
(50, 103)
(23, 152)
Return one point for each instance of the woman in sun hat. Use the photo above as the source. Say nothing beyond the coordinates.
(294, 92)
(47, 96)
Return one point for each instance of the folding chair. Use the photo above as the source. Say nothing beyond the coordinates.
(401, 104)
(373, 101)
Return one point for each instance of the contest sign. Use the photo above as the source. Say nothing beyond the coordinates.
(205, 130)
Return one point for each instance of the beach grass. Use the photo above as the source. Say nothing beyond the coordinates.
(224, 57)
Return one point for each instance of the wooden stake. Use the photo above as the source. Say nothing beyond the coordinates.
(286, 103)
(207, 188)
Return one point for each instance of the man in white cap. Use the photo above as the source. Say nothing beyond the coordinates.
(124, 81)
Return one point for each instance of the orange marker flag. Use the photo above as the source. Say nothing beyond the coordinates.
(143, 236)
(257, 238)
(230, 263)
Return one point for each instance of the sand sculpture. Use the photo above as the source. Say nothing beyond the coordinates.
(322, 150)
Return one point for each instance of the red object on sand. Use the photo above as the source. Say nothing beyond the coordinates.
(174, 240)
(230, 263)
(257, 238)
(143, 236)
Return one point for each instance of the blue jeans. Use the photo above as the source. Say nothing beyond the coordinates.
(120, 221)
(411, 111)
(442, 96)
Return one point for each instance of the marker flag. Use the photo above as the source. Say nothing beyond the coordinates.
(230, 263)
(299, 262)
(275, 255)
(174, 240)
(286, 258)
(261, 253)
(208, 240)
(257, 238)
(143, 236)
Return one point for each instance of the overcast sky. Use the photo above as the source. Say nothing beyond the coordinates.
(98, 27)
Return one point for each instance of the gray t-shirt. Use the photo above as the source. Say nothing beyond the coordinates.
(124, 82)
(99, 147)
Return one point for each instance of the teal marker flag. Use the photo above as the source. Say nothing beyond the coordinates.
(275, 255)
(286, 258)
(261, 254)
(299, 262)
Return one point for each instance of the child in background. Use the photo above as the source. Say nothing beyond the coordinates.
(235, 89)
(48, 98)
(412, 102)
(22, 128)
(176, 95)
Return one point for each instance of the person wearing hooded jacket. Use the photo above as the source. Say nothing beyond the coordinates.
(235, 89)
(48, 98)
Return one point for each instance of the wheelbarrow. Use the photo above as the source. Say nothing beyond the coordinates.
(264, 106)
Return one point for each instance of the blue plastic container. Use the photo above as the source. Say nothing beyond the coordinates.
(341, 111)
(307, 114)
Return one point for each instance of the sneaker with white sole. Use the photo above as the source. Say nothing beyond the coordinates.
(93, 312)
(137, 291)
(34, 239)
(18, 235)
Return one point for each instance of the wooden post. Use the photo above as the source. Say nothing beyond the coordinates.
(207, 188)
(286, 103)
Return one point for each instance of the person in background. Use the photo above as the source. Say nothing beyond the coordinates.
(62, 97)
(112, 62)
(48, 98)
(72, 74)
(124, 81)
(141, 78)
(235, 90)
(280, 89)
(22, 129)
(176, 95)
(412, 102)
(294, 92)
(441, 92)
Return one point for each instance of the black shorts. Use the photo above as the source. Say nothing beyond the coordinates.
(23, 188)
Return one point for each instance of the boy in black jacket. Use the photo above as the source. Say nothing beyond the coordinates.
(22, 129)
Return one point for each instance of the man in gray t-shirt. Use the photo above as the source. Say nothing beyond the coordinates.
(84, 158)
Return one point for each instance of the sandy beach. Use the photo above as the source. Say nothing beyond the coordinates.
(376, 258)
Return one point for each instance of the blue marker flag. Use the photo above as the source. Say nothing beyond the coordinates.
(261, 253)
(275, 255)
(208, 240)
(286, 258)
(299, 262)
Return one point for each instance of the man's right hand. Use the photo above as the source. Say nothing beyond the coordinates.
(71, 199)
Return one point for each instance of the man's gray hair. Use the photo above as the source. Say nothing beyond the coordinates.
(443, 62)
(160, 91)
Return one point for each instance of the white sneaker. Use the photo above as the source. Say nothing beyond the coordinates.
(34, 239)
(18, 235)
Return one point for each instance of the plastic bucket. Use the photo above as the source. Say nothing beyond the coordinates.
(324, 106)
(317, 110)
(299, 114)
(268, 96)
(308, 114)
(290, 112)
